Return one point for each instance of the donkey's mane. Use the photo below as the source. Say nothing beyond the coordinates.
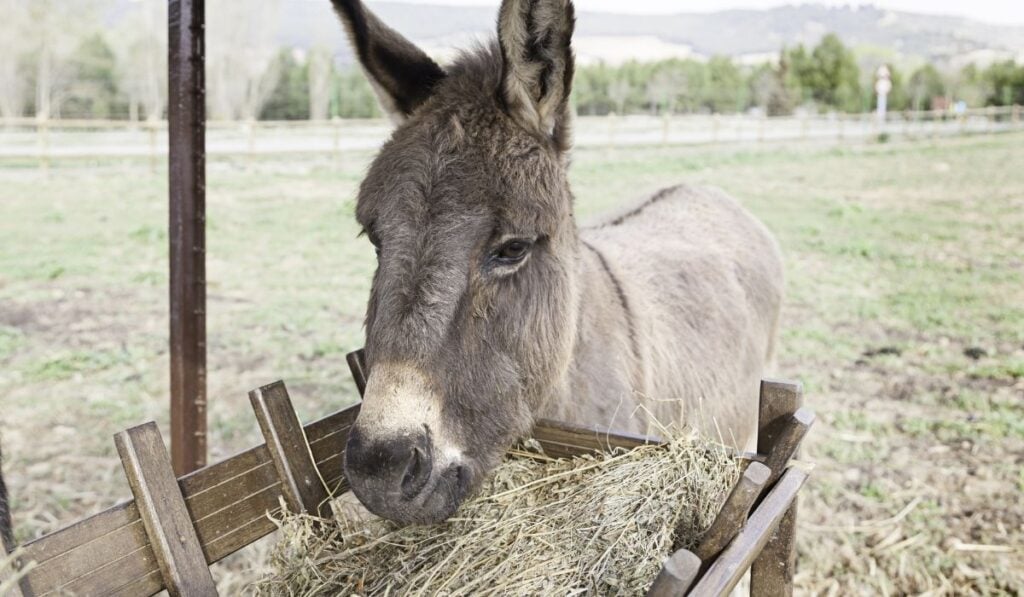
(474, 73)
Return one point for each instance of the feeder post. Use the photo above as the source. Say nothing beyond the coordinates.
(772, 572)
(676, 576)
(187, 174)
(301, 484)
(165, 518)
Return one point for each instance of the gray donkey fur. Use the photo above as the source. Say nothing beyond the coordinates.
(6, 530)
(491, 308)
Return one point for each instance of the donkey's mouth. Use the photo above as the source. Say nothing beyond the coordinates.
(436, 501)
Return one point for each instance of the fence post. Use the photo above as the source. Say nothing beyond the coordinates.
(336, 138)
(165, 517)
(250, 135)
(43, 143)
(772, 572)
(300, 481)
(186, 175)
(153, 154)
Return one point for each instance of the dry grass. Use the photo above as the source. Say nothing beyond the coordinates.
(540, 526)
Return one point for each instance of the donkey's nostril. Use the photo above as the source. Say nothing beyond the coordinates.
(417, 473)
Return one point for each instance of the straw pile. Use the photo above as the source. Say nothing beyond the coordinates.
(590, 525)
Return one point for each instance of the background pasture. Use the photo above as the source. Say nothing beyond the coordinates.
(904, 319)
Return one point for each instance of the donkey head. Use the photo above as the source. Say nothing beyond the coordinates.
(471, 321)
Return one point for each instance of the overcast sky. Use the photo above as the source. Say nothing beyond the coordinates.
(993, 11)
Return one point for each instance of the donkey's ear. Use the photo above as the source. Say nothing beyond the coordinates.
(401, 74)
(536, 48)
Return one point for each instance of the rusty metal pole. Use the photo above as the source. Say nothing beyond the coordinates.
(187, 121)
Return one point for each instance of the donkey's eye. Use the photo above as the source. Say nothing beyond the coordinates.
(512, 252)
(374, 240)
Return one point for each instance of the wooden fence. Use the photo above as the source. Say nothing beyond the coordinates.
(46, 141)
(174, 529)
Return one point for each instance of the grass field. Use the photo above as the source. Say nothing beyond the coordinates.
(904, 320)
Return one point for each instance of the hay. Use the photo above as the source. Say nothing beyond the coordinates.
(589, 525)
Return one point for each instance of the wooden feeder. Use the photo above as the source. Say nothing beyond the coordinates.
(174, 529)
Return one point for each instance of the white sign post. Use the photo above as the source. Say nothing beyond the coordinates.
(883, 85)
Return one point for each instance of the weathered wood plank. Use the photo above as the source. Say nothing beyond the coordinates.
(128, 568)
(575, 440)
(734, 511)
(224, 472)
(787, 443)
(289, 451)
(676, 576)
(172, 536)
(244, 510)
(94, 558)
(145, 585)
(778, 437)
(725, 572)
(80, 534)
(779, 400)
(357, 365)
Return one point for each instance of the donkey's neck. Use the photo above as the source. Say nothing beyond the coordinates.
(602, 382)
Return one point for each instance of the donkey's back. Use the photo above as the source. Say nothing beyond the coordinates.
(704, 280)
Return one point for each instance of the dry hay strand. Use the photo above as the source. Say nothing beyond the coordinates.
(595, 524)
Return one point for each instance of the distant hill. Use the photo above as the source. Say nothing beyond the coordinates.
(745, 34)
(734, 32)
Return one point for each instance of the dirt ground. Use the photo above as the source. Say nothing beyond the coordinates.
(904, 321)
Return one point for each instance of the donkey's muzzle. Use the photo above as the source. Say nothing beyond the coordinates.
(395, 477)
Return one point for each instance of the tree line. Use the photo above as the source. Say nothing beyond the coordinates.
(58, 60)
(823, 78)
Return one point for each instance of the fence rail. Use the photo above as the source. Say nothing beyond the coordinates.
(51, 140)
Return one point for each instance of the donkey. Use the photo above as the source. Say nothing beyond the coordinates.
(491, 308)
(6, 530)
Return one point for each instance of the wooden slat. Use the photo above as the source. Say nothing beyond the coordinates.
(88, 548)
(130, 568)
(147, 465)
(139, 586)
(289, 451)
(786, 444)
(727, 570)
(734, 511)
(224, 472)
(772, 572)
(95, 558)
(80, 534)
(561, 439)
(357, 365)
(676, 575)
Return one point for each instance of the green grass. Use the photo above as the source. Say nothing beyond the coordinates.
(915, 246)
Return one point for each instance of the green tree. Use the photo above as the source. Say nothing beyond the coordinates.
(727, 90)
(1004, 84)
(353, 97)
(924, 86)
(768, 89)
(835, 79)
(93, 91)
(289, 99)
